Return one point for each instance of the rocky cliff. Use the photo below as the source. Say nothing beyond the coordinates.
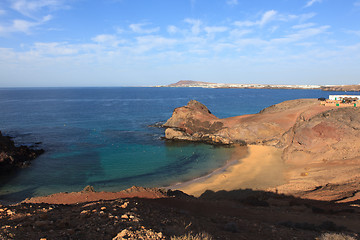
(304, 128)
(194, 122)
(12, 156)
(319, 144)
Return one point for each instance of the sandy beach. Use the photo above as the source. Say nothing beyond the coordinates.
(252, 166)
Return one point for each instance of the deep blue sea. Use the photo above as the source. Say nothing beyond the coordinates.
(102, 136)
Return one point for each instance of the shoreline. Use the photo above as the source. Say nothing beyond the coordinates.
(251, 170)
(234, 160)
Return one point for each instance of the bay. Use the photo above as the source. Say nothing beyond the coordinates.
(102, 136)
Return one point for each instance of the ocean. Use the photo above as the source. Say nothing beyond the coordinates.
(105, 137)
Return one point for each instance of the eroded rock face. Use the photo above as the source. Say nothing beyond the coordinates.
(194, 122)
(327, 136)
(14, 157)
(305, 129)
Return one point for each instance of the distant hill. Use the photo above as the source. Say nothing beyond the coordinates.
(186, 83)
(342, 88)
(189, 83)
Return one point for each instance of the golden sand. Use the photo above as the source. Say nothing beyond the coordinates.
(261, 168)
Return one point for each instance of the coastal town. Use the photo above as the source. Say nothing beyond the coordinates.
(199, 84)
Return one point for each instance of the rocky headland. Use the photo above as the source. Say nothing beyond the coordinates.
(12, 156)
(317, 147)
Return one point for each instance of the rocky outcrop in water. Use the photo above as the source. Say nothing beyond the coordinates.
(194, 122)
(12, 157)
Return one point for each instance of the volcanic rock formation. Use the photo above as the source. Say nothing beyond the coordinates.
(12, 156)
(319, 143)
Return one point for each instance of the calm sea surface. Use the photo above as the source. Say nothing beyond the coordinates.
(101, 136)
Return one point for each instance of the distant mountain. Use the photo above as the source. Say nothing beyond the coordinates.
(188, 83)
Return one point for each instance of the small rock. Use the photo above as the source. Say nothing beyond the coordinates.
(88, 188)
(121, 235)
(103, 208)
(124, 216)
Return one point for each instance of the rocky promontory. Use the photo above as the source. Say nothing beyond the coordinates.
(12, 156)
(319, 144)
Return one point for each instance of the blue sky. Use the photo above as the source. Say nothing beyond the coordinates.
(153, 42)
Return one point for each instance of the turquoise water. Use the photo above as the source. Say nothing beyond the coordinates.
(101, 136)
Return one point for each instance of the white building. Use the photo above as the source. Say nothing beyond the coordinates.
(341, 97)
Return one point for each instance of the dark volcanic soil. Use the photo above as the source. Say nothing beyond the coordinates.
(241, 214)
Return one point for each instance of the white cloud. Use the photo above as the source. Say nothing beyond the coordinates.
(19, 25)
(301, 34)
(239, 33)
(357, 4)
(139, 28)
(307, 16)
(172, 29)
(305, 25)
(2, 12)
(245, 23)
(266, 18)
(195, 29)
(54, 48)
(147, 43)
(232, 2)
(355, 32)
(311, 2)
(29, 8)
(107, 40)
(211, 30)
(104, 38)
